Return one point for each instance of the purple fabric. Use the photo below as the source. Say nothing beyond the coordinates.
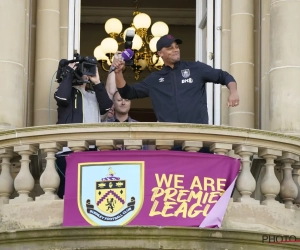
(187, 173)
(215, 217)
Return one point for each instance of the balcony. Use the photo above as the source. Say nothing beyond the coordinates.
(266, 199)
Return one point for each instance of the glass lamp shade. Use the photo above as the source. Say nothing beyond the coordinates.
(137, 42)
(109, 45)
(113, 25)
(141, 21)
(159, 29)
(142, 63)
(152, 43)
(160, 60)
(98, 53)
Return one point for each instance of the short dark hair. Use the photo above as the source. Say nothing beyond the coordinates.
(113, 97)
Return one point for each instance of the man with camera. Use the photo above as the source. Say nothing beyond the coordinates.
(177, 91)
(76, 101)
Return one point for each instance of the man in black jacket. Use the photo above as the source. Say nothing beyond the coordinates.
(177, 91)
(76, 104)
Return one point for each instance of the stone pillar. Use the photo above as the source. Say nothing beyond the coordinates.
(242, 61)
(12, 59)
(31, 65)
(257, 64)
(265, 66)
(288, 188)
(284, 66)
(64, 23)
(6, 180)
(270, 186)
(226, 37)
(24, 182)
(246, 183)
(47, 58)
(49, 179)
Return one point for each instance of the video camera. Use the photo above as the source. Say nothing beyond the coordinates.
(128, 44)
(84, 66)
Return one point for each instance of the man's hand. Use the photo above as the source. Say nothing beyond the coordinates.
(233, 99)
(72, 65)
(117, 56)
(119, 65)
(95, 79)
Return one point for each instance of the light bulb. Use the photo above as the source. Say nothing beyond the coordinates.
(152, 44)
(142, 63)
(159, 29)
(141, 21)
(160, 61)
(109, 45)
(137, 42)
(98, 53)
(113, 25)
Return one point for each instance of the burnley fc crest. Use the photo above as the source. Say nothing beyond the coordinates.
(185, 73)
(119, 192)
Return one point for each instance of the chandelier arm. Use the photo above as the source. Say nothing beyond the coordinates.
(103, 66)
(148, 38)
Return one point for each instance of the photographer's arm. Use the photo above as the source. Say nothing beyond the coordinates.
(101, 94)
(63, 93)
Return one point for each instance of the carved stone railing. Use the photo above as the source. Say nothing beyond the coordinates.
(276, 211)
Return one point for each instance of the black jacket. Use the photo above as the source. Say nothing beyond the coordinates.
(69, 101)
(178, 94)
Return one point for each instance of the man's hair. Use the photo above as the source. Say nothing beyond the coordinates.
(113, 97)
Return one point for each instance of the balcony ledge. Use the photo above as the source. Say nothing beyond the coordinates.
(136, 238)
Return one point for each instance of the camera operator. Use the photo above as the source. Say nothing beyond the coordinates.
(76, 102)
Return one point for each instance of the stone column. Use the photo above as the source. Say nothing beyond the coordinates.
(265, 66)
(296, 167)
(288, 188)
(47, 58)
(226, 36)
(64, 23)
(24, 182)
(257, 63)
(246, 183)
(49, 179)
(6, 180)
(284, 66)
(242, 61)
(12, 59)
(31, 65)
(270, 186)
(192, 146)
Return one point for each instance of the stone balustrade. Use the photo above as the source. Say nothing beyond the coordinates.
(276, 210)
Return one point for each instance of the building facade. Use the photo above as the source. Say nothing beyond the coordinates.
(255, 40)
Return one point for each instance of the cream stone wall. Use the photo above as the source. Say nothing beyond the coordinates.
(264, 57)
(242, 61)
(47, 58)
(13, 62)
(225, 65)
(259, 48)
(284, 71)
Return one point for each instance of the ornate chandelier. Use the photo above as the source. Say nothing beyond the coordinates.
(143, 44)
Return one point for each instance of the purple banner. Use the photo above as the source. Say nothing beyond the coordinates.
(161, 188)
